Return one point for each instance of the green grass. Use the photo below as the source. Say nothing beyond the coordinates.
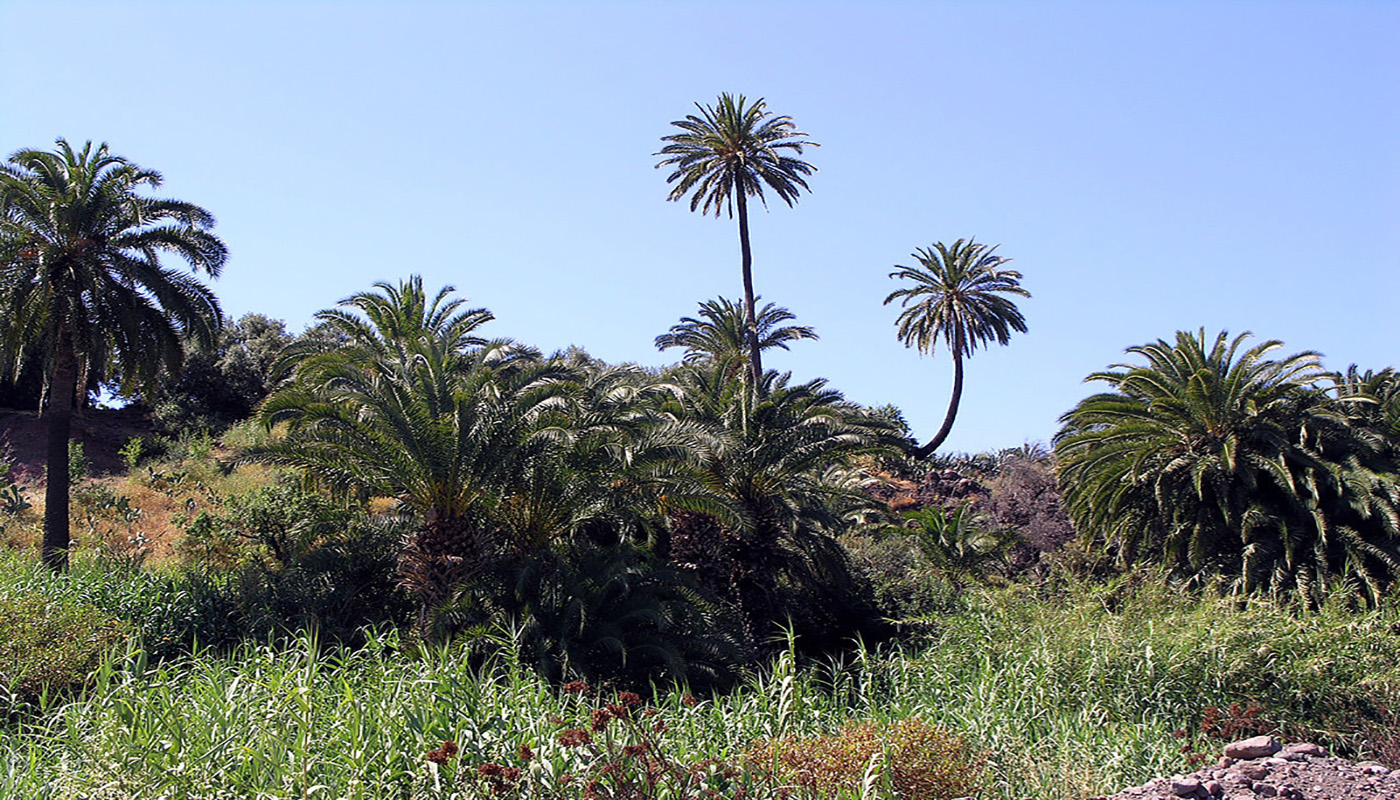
(1066, 697)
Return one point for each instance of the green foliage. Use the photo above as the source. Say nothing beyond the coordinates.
(960, 543)
(77, 463)
(733, 150)
(295, 559)
(79, 247)
(132, 452)
(728, 153)
(615, 615)
(286, 521)
(1068, 695)
(50, 646)
(765, 484)
(12, 500)
(222, 384)
(905, 587)
(1227, 465)
(721, 333)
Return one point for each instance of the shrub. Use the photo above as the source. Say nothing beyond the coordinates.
(905, 585)
(909, 759)
(614, 614)
(48, 646)
(77, 463)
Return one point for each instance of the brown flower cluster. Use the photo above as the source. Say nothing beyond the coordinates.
(1236, 722)
(498, 779)
(575, 737)
(443, 754)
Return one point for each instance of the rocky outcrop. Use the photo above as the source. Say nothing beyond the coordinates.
(940, 488)
(1261, 767)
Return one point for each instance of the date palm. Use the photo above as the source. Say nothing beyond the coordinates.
(760, 493)
(379, 324)
(721, 333)
(1224, 463)
(82, 287)
(727, 153)
(959, 295)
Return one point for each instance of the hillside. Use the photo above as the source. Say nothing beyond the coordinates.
(102, 431)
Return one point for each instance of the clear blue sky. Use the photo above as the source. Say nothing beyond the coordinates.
(1149, 166)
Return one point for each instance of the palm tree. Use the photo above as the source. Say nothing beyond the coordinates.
(724, 155)
(82, 287)
(721, 333)
(958, 296)
(959, 542)
(1223, 463)
(761, 491)
(446, 434)
(497, 452)
(378, 324)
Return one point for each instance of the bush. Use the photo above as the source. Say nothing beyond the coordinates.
(908, 759)
(905, 584)
(48, 647)
(616, 615)
(339, 584)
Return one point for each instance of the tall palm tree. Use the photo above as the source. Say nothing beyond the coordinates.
(1224, 463)
(958, 295)
(82, 287)
(721, 333)
(727, 153)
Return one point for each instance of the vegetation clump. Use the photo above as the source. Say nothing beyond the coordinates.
(50, 647)
(1234, 468)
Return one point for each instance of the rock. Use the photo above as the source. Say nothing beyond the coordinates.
(1185, 787)
(1225, 761)
(1255, 747)
(1235, 780)
(1214, 787)
(1255, 772)
(1265, 789)
(1373, 768)
(1304, 749)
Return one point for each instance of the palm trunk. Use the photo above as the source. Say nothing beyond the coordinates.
(927, 450)
(755, 360)
(58, 418)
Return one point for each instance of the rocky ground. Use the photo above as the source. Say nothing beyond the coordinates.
(1262, 768)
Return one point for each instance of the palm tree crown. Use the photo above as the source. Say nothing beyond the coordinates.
(958, 295)
(82, 288)
(733, 150)
(727, 153)
(720, 333)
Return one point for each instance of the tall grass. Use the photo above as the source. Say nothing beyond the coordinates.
(1072, 697)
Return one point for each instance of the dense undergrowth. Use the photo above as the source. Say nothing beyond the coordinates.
(1064, 693)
